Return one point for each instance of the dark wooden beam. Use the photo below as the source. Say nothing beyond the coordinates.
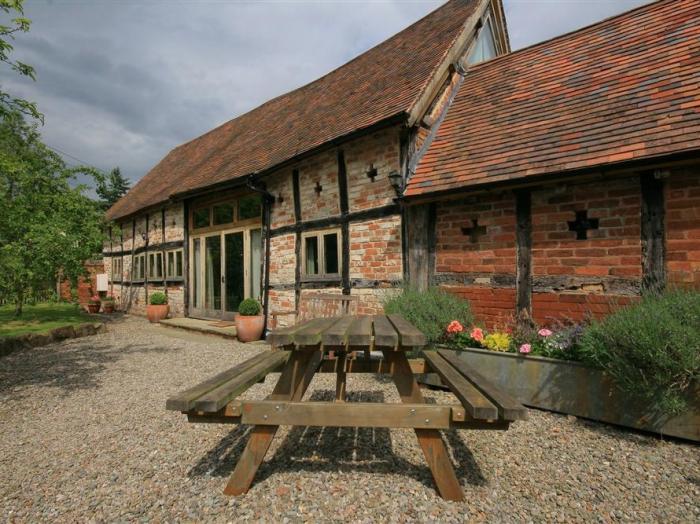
(296, 193)
(321, 223)
(523, 250)
(418, 224)
(344, 226)
(653, 233)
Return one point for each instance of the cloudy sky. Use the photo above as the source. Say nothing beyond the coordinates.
(121, 82)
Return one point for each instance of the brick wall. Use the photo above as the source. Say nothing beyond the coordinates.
(483, 271)
(683, 228)
(375, 249)
(321, 169)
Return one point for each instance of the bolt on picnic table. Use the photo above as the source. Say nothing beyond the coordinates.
(342, 345)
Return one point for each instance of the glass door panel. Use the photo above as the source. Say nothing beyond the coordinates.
(197, 274)
(234, 282)
(255, 263)
(212, 272)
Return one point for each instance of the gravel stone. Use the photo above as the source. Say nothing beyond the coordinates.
(84, 436)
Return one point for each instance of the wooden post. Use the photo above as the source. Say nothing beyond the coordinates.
(523, 249)
(653, 233)
(344, 225)
(296, 193)
(417, 225)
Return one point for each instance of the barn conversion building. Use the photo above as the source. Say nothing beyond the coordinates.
(558, 179)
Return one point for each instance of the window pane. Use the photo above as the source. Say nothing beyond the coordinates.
(223, 214)
(178, 264)
(249, 207)
(151, 265)
(200, 217)
(311, 255)
(255, 262)
(170, 257)
(159, 265)
(330, 252)
(485, 47)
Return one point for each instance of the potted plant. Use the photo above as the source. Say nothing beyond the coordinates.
(157, 308)
(93, 305)
(108, 304)
(249, 321)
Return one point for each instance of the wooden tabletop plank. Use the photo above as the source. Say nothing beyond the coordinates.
(385, 335)
(184, 400)
(336, 335)
(283, 336)
(476, 404)
(508, 407)
(310, 333)
(409, 335)
(217, 398)
(360, 332)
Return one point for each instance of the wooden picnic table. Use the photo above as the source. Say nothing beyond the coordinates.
(341, 345)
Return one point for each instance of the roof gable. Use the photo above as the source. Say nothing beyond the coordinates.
(623, 89)
(382, 83)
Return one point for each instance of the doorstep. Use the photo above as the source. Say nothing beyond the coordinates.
(200, 326)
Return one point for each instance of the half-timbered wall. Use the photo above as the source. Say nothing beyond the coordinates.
(568, 249)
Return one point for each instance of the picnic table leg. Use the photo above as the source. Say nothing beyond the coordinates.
(341, 378)
(295, 379)
(430, 440)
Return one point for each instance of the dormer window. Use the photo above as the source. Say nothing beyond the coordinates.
(485, 45)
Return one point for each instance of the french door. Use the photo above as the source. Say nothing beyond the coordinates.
(224, 269)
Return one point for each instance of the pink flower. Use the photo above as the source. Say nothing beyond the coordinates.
(525, 348)
(454, 327)
(544, 332)
(477, 334)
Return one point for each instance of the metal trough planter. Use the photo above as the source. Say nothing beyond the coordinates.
(576, 389)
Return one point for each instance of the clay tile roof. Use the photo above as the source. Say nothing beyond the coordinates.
(382, 83)
(626, 88)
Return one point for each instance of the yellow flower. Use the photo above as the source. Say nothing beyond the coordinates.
(497, 341)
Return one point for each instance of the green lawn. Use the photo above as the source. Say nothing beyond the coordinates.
(40, 318)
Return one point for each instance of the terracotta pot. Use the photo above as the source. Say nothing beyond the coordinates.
(108, 307)
(93, 308)
(249, 329)
(157, 313)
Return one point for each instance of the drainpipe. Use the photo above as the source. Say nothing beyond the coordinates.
(268, 200)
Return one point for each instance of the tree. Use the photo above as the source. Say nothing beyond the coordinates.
(111, 188)
(8, 103)
(46, 226)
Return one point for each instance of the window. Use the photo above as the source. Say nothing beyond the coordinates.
(155, 266)
(138, 272)
(320, 254)
(174, 264)
(200, 218)
(117, 269)
(223, 214)
(485, 45)
(249, 207)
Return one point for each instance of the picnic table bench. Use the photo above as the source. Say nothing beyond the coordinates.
(341, 345)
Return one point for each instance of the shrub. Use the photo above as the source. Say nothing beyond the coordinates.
(650, 349)
(158, 298)
(430, 311)
(249, 307)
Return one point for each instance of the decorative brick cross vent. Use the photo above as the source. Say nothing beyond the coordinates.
(372, 172)
(582, 224)
(318, 188)
(475, 231)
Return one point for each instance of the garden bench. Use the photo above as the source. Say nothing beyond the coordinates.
(339, 345)
(318, 305)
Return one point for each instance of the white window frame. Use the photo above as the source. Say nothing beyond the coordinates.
(152, 260)
(139, 277)
(117, 276)
(174, 253)
(322, 274)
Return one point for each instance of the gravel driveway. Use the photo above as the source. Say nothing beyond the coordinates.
(84, 436)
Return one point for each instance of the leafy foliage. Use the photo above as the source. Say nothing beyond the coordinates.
(158, 298)
(46, 225)
(430, 311)
(111, 188)
(249, 307)
(651, 349)
(8, 28)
